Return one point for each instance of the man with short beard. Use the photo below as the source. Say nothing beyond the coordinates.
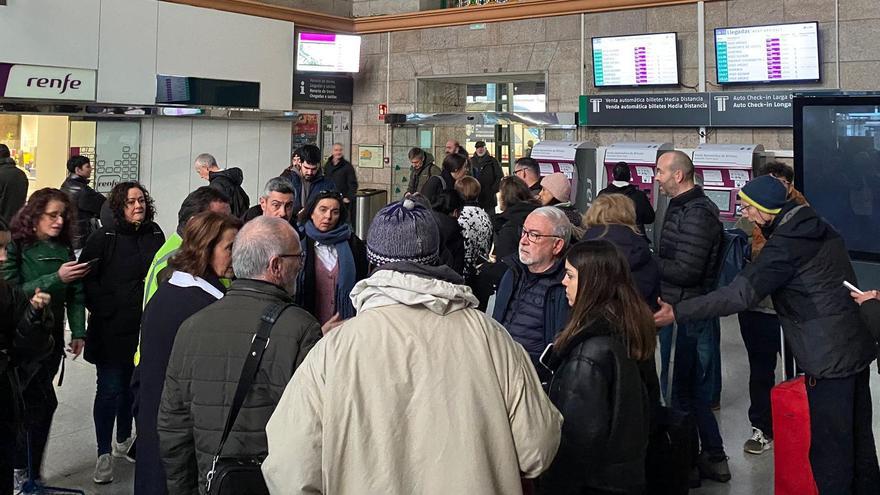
(530, 302)
(210, 350)
(487, 171)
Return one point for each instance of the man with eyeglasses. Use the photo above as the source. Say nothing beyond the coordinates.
(759, 327)
(530, 302)
(422, 169)
(210, 349)
(527, 169)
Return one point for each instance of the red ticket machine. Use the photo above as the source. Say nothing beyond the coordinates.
(642, 161)
(577, 160)
(724, 169)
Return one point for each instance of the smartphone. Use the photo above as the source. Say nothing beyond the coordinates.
(544, 359)
(92, 262)
(852, 287)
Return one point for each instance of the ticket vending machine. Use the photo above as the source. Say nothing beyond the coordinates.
(642, 161)
(724, 169)
(577, 160)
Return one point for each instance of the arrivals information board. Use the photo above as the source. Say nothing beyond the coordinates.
(778, 53)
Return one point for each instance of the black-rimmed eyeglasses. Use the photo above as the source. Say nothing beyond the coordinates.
(535, 236)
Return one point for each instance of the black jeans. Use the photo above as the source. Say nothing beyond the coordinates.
(113, 401)
(842, 451)
(760, 334)
(7, 432)
(39, 406)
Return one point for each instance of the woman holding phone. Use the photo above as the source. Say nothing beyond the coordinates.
(41, 257)
(121, 254)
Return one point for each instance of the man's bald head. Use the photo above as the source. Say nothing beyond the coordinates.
(261, 250)
(679, 160)
(675, 173)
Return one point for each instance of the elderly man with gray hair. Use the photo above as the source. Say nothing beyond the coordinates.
(530, 302)
(275, 201)
(210, 351)
(226, 181)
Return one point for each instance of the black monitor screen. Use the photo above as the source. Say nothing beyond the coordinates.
(838, 164)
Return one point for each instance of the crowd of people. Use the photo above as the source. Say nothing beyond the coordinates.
(382, 371)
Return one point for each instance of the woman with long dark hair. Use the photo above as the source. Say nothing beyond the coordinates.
(517, 201)
(455, 167)
(189, 283)
(335, 259)
(596, 382)
(122, 252)
(41, 257)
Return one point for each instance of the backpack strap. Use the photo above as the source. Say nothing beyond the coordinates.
(259, 343)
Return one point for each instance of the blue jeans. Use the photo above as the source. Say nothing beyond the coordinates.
(113, 401)
(694, 381)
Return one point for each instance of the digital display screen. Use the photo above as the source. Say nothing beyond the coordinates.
(640, 60)
(720, 198)
(767, 54)
(320, 52)
(838, 170)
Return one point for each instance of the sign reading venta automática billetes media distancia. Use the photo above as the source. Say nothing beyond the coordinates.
(46, 83)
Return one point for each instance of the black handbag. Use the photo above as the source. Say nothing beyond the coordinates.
(241, 475)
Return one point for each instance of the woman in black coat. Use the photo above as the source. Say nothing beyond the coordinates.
(612, 217)
(455, 167)
(332, 252)
(114, 293)
(517, 202)
(189, 283)
(596, 383)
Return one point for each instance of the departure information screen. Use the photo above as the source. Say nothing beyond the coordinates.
(319, 52)
(765, 54)
(641, 60)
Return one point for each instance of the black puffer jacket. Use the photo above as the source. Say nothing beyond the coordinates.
(344, 177)
(507, 227)
(599, 391)
(88, 204)
(115, 289)
(802, 268)
(229, 183)
(13, 189)
(634, 247)
(690, 245)
(203, 371)
(488, 172)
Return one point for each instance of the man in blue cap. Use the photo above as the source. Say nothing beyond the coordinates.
(802, 268)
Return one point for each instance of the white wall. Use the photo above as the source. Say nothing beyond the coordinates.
(261, 149)
(129, 41)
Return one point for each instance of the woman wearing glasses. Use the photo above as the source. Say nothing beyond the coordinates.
(335, 259)
(41, 257)
(120, 255)
(189, 283)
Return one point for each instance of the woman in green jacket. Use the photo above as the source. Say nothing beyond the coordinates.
(41, 257)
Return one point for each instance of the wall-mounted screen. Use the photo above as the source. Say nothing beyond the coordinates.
(322, 52)
(720, 198)
(638, 60)
(780, 53)
(200, 91)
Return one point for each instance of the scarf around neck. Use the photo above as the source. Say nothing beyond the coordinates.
(338, 238)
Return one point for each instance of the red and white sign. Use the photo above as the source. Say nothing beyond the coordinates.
(383, 110)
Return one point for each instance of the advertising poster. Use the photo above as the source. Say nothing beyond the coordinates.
(305, 129)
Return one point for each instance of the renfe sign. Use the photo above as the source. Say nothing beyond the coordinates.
(46, 83)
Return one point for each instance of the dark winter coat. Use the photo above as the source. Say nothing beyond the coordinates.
(170, 306)
(802, 268)
(689, 248)
(599, 391)
(203, 372)
(23, 330)
(452, 250)
(229, 183)
(507, 228)
(343, 177)
(88, 204)
(437, 184)
(418, 178)
(487, 171)
(306, 297)
(317, 184)
(635, 249)
(115, 289)
(527, 323)
(644, 210)
(13, 189)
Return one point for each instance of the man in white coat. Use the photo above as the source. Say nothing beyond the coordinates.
(419, 393)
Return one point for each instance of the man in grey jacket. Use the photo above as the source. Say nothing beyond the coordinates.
(210, 350)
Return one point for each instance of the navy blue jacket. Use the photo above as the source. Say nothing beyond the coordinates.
(555, 304)
(634, 247)
(319, 183)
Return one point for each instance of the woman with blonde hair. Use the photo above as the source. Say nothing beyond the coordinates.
(612, 217)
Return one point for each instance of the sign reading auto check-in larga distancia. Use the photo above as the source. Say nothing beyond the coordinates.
(36, 82)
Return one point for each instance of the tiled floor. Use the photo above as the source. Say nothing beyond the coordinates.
(71, 454)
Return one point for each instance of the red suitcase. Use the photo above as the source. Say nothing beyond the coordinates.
(791, 439)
